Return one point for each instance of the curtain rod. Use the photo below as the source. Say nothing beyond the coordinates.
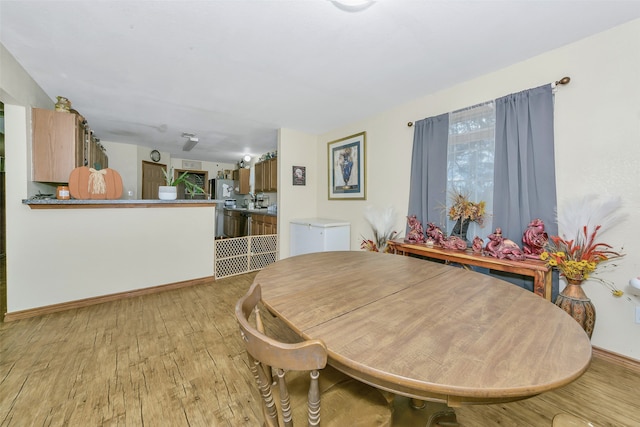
(563, 81)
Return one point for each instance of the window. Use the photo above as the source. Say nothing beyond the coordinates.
(470, 154)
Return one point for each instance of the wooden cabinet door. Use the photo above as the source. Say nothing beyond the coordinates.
(259, 177)
(273, 174)
(257, 224)
(62, 142)
(270, 225)
(243, 181)
(54, 145)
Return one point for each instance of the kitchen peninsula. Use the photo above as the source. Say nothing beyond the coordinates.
(80, 252)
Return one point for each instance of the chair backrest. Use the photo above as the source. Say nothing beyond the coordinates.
(265, 352)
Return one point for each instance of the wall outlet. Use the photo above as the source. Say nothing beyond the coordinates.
(638, 314)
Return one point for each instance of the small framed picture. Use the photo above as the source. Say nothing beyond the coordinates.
(299, 175)
(347, 173)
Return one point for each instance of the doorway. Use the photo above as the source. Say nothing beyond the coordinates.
(152, 178)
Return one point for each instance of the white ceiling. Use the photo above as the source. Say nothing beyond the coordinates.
(233, 72)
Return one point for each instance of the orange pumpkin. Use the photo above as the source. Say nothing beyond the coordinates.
(87, 183)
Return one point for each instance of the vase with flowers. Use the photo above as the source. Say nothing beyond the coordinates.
(382, 222)
(464, 212)
(577, 260)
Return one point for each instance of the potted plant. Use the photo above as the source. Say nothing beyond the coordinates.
(170, 191)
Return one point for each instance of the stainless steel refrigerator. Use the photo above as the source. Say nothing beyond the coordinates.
(221, 190)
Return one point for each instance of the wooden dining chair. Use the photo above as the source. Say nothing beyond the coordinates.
(303, 379)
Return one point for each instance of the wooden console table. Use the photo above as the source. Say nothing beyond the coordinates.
(537, 269)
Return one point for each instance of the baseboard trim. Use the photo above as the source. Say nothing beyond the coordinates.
(54, 308)
(617, 359)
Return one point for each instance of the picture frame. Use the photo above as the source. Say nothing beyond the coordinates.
(347, 168)
(299, 175)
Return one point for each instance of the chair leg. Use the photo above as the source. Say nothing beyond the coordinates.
(314, 399)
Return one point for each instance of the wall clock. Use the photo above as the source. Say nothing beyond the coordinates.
(155, 155)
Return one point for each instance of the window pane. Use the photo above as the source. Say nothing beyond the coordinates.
(470, 160)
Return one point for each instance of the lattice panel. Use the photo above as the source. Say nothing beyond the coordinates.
(244, 254)
(227, 248)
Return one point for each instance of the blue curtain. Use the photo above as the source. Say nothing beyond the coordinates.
(428, 186)
(524, 171)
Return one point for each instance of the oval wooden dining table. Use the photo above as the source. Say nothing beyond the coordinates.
(426, 330)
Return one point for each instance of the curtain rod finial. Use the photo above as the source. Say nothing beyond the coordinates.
(563, 81)
(410, 124)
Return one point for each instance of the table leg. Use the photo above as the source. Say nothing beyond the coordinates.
(414, 412)
(443, 418)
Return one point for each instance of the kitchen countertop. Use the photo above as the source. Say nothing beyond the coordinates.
(118, 203)
(263, 211)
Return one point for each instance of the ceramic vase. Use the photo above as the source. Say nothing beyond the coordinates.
(167, 192)
(460, 229)
(575, 302)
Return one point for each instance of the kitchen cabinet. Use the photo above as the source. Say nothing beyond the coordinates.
(266, 175)
(62, 142)
(242, 178)
(263, 224)
(235, 223)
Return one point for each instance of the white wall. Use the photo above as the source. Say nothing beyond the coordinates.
(123, 159)
(597, 137)
(296, 201)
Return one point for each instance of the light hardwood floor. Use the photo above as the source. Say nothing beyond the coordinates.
(175, 359)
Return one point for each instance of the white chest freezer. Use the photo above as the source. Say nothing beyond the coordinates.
(319, 235)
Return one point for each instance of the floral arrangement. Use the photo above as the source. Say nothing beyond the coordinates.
(578, 258)
(464, 209)
(381, 223)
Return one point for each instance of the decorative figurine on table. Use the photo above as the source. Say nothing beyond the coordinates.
(534, 239)
(477, 245)
(501, 248)
(455, 243)
(434, 233)
(416, 232)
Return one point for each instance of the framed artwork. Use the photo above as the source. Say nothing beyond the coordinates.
(299, 174)
(347, 168)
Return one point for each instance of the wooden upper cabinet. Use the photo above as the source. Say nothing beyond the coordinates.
(259, 176)
(273, 174)
(266, 178)
(242, 176)
(58, 145)
(61, 143)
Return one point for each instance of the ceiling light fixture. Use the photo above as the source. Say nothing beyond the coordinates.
(191, 142)
(352, 5)
(244, 163)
